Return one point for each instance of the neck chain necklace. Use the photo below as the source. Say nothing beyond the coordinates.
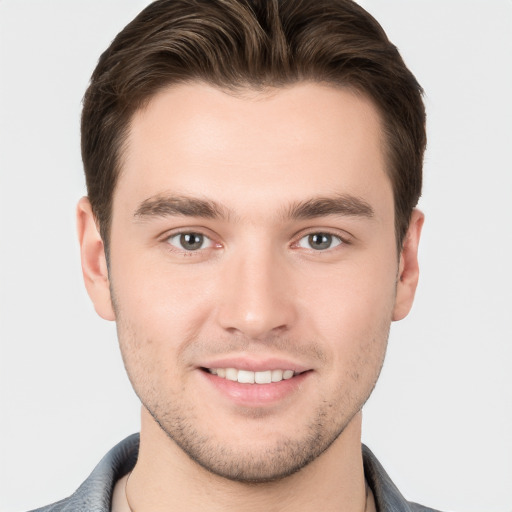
(126, 494)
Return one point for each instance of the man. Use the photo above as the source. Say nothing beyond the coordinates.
(252, 171)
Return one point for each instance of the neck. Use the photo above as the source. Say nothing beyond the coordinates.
(165, 478)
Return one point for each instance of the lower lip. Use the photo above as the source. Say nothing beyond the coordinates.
(256, 394)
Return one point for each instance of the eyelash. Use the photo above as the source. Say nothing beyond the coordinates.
(336, 238)
(185, 252)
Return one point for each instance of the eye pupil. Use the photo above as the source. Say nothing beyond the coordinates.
(320, 241)
(191, 241)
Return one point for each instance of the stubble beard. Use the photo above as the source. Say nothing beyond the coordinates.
(282, 457)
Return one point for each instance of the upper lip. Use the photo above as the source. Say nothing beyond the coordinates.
(255, 364)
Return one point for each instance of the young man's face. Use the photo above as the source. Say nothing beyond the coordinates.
(253, 238)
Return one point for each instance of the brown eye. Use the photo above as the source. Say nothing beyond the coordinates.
(319, 241)
(190, 241)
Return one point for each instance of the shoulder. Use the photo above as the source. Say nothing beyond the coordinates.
(387, 496)
(416, 507)
(96, 492)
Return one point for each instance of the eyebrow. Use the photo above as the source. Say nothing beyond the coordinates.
(164, 206)
(185, 206)
(342, 204)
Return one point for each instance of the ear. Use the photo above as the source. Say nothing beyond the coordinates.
(94, 262)
(408, 270)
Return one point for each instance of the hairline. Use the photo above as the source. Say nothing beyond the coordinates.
(237, 90)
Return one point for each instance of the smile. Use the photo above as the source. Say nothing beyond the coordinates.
(249, 377)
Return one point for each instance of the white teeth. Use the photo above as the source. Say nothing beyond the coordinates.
(245, 377)
(263, 377)
(249, 377)
(231, 374)
(277, 375)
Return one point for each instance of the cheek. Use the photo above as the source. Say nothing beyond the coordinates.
(160, 303)
(352, 315)
(355, 296)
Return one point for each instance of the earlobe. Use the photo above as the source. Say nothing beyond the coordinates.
(408, 271)
(94, 263)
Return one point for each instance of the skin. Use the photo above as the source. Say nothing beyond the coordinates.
(255, 291)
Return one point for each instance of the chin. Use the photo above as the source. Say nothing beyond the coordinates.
(252, 463)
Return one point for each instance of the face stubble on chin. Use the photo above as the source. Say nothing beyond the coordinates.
(281, 455)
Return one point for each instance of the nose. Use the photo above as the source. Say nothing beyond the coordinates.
(257, 298)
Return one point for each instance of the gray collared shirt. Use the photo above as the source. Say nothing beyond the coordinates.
(95, 494)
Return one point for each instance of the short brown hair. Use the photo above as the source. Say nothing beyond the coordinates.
(251, 43)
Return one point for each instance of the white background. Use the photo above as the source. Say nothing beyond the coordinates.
(440, 419)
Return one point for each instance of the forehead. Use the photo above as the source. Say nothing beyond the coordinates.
(273, 146)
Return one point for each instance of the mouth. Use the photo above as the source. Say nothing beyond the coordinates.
(250, 383)
(251, 377)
